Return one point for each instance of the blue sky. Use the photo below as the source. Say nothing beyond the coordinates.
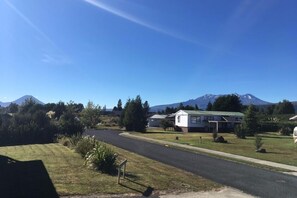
(166, 51)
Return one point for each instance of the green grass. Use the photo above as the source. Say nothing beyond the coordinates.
(71, 177)
(279, 148)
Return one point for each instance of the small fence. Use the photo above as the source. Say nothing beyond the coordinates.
(121, 167)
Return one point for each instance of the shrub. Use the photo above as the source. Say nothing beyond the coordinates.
(85, 145)
(102, 158)
(69, 141)
(258, 142)
(69, 124)
(285, 130)
(74, 139)
(214, 135)
(165, 124)
(240, 131)
(64, 140)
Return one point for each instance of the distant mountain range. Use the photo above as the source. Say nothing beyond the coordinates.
(21, 100)
(202, 102)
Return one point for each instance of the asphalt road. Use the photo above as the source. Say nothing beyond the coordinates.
(251, 180)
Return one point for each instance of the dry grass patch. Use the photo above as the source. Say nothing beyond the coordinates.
(70, 177)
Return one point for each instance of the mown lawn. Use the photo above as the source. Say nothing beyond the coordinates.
(70, 177)
(279, 148)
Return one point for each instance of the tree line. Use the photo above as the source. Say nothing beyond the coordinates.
(35, 123)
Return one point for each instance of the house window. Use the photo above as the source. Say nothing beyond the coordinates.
(195, 119)
(178, 119)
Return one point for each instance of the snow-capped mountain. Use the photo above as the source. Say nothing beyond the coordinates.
(202, 101)
(21, 100)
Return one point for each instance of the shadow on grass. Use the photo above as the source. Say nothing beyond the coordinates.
(24, 179)
(130, 178)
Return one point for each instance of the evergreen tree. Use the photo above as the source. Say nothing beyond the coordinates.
(134, 115)
(251, 121)
(181, 106)
(196, 107)
(69, 124)
(121, 121)
(119, 105)
(13, 108)
(209, 106)
(59, 109)
(227, 103)
(284, 107)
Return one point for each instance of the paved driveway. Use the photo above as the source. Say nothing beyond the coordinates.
(254, 181)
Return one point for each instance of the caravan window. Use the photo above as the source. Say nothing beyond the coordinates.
(195, 119)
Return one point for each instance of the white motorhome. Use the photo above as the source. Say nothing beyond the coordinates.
(189, 120)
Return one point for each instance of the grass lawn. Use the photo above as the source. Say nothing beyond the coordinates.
(279, 148)
(70, 177)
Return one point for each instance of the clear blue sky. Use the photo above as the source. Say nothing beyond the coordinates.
(164, 50)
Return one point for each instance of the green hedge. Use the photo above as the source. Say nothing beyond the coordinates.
(275, 126)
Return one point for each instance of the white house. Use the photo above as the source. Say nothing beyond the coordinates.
(188, 120)
(154, 121)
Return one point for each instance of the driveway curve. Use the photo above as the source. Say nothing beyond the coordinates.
(251, 180)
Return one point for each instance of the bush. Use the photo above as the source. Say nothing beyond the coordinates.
(268, 126)
(240, 131)
(214, 136)
(165, 124)
(64, 140)
(69, 124)
(285, 130)
(275, 126)
(102, 158)
(74, 139)
(85, 145)
(70, 142)
(258, 142)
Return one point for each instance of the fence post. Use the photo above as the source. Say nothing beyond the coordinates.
(122, 165)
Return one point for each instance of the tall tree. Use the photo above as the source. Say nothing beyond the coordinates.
(90, 116)
(251, 120)
(59, 109)
(181, 106)
(227, 103)
(75, 107)
(69, 124)
(27, 106)
(209, 106)
(13, 108)
(119, 105)
(135, 115)
(122, 117)
(196, 107)
(284, 107)
(146, 108)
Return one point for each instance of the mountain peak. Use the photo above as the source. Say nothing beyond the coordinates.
(246, 99)
(21, 100)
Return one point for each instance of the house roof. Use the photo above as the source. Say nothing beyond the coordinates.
(171, 115)
(157, 116)
(213, 113)
(294, 118)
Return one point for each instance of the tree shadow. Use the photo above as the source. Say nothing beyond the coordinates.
(25, 179)
(131, 179)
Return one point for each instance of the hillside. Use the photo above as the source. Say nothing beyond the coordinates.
(202, 101)
(20, 101)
